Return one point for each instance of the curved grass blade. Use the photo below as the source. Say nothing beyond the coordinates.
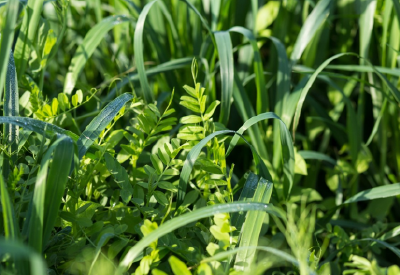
(318, 156)
(262, 98)
(41, 225)
(394, 249)
(99, 123)
(7, 36)
(19, 250)
(286, 143)
(11, 108)
(27, 35)
(379, 192)
(310, 82)
(187, 218)
(9, 220)
(224, 47)
(310, 27)
(164, 67)
(365, 69)
(138, 49)
(86, 49)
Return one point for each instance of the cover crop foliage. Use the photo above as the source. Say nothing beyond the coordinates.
(199, 137)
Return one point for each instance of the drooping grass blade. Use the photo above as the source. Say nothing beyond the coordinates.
(88, 46)
(99, 123)
(286, 143)
(379, 192)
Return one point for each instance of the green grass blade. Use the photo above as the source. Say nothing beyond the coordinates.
(10, 224)
(379, 192)
(138, 48)
(19, 250)
(262, 98)
(317, 155)
(246, 111)
(224, 47)
(39, 224)
(215, 9)
(88, 46)
(310, 82)
(394, 249)
(99, 123)
(252, 226)
(187, 218)
(164, 67)
(56, 182)
(11, 108)
(310, 27)
(7, 37)
(27, 35)
(286, 143)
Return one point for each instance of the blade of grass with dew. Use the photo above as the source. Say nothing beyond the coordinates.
(224, 47)
(246, 111)
(262, 98)
(20, 251)
(138, 49)
(55, 184)
(247, 194)
(7, 37)
(310, 27)
(27, 35)
(187, 218)
(250, 232)
(286, 143)
(11, 108)
(38, 222)
(10, 224)
(88, 46)
(164, 67)
(306, 88)
(100, 122)
(379, 192)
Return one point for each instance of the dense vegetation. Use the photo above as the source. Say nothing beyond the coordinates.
(200, 137)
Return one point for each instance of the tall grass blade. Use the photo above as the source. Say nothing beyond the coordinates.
(262, 97)
(252, 226)
(187, 218)
(310, 27)
(11, 108)
(7, 37)
(138, 48)
(379, 192)
(88, 46)
(10, 224)
(41, 225)
(286, 143)
(27, 35)
(99, 123)
(224, 46)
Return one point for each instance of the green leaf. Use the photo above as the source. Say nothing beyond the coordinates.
(88, 46)
(187, 218)
(161, 198)
(121, 177)
(157, 164)
(379, 192)
(100, 122)
(9, 221)
(209, 112)
(178, 267)
(191, 119)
